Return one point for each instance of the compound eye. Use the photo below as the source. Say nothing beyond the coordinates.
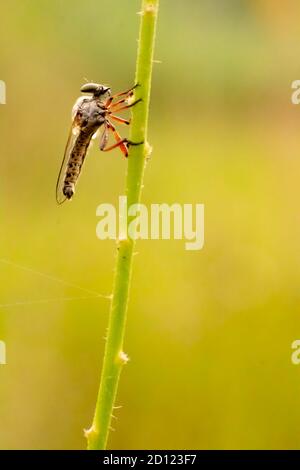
(95, 88)
(89, 88)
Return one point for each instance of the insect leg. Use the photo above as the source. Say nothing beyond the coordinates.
(126, 107)
(123, 93)
(122, 143)
(109, 103)
(118, 103)
(118, 119)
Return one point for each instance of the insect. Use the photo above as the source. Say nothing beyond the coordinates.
(88, 115)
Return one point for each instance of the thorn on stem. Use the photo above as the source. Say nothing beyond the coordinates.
(88, 433)
(149, 8)
(148, 150)
(123, 358)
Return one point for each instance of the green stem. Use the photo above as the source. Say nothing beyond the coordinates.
(114, 357)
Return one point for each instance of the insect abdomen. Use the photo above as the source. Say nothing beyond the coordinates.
(75, 163)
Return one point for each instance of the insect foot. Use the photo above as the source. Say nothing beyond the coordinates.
(131, 104)
(129, 142)
(134, 87)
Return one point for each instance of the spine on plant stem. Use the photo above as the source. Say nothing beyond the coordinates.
(114, 357)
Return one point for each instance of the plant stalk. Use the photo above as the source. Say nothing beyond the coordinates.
(114, 357)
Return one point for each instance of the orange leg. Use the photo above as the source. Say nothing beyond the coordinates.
(109, 105)
(118, 119)
(123, 93)
(123, 144)
(120, 142)
(126, 107)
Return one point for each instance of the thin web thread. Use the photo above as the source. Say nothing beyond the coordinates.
(93, 294)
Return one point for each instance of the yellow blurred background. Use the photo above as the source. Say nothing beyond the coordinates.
(209, 333)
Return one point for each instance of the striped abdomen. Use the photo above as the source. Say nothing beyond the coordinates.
(75, 162)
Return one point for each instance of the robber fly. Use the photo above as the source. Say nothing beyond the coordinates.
(88, 115)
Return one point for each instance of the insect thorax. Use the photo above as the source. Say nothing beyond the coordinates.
(90, 114)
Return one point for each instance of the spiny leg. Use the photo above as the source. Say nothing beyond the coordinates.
(122, 143)
(109, 103)
(123, 93)
(118, 119)
(126, 107)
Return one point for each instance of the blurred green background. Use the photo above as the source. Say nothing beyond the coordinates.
(209, 333)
